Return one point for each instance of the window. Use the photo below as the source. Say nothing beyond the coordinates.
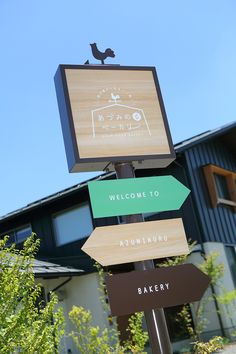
(176, 327)
(231, 257)
(146, 217)
(19, 234)
(221, 186)
(150, 216)
(73, 224)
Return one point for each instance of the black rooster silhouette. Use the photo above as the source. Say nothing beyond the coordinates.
(100, 55)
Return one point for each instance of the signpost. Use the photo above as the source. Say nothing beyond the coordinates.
(113, 117)
(155, 318)
(127, 243)
(163, 287)
(139, 195)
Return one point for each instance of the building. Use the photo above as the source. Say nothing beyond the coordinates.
(206, 164)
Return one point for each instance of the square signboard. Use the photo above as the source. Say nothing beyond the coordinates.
(112, 113)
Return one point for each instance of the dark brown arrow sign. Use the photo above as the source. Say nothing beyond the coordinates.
(163, 287)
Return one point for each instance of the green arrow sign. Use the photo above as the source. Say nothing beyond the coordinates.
(139, 195)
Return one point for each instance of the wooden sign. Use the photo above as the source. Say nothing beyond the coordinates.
(126, 243)
(110, 114)
(157, 288)
(136, 195)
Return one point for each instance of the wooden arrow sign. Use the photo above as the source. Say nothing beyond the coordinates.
(137, 242)
(136, 195)
(157, 288)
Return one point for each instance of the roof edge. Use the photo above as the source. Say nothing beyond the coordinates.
(209, 134)
(60, 194)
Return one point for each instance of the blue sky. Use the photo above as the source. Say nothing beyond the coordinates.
(191, 44)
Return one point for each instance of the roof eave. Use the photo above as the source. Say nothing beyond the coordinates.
(210, 134)
(52, 275)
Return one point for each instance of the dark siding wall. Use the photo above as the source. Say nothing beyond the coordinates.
(187, 210)
(40, 219)
(68, 254)
(217, 224)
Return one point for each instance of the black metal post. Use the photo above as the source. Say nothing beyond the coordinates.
(155, 319)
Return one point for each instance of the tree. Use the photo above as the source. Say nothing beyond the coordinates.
(215, 272)
(94, 340)
(26, 325)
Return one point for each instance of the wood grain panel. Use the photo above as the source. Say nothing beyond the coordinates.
(105, 126)
(127, 243)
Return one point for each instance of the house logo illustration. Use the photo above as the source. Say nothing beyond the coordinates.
(119, 120)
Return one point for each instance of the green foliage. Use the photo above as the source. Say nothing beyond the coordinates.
(93, 340)
(173, 261)
(138, 338)
(211, 268)
(88, 338)
(215, 271)
(227, 297)
(185, 320)
(24, 327)
(113, 333)
(210, 347)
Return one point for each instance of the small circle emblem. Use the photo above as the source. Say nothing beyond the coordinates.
(136, 116)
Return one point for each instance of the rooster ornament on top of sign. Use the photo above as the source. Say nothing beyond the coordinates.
(109, 53)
